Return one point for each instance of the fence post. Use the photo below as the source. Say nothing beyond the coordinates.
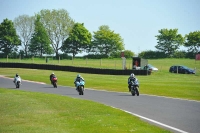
(7, 58)
(115, 64)
(32, 59)
(20, 58)
(100, 62)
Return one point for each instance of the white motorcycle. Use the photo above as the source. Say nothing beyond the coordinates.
(17, 82)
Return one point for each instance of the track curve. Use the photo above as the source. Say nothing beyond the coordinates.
(176, 115)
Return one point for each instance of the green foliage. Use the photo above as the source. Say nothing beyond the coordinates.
(149, 54)
(9, 40)
(169, 41)
(127, 54)
(58, 24)
(190, 55)
(40, 43)
(193, 42)
(24, 25)
(179, 54)
(106, 41)
(95, 56)
(79, 40)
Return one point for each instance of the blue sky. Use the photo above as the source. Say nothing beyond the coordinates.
(137, 21)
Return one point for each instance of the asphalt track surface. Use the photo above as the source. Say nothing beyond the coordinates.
(176, 115)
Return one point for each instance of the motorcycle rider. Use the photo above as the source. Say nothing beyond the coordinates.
(131, 78)
(51, 76)
(17, 77)
(78, 79)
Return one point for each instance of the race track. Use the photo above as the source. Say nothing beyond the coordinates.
(175, 115)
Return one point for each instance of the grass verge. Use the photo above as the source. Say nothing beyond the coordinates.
(33, 112)
(160, 83)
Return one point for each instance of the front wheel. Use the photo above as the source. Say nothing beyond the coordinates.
(82, 91)
(137, 91)
(132, 91)
(55, 85)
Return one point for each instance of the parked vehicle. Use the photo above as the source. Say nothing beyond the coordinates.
(54, 81)
(150, 68)
(135, 88)
(181, 69)
(80, 87)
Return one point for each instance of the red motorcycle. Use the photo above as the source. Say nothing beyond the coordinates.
(54, 82)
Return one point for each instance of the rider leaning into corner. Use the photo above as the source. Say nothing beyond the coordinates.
(131, 78)
(78, 79)
(52, 75)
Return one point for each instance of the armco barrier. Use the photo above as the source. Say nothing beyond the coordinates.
(74, 69)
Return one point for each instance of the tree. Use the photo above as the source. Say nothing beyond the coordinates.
(127, 54)
(58, 25)
(193, 42)
(9, 40)
(79, 40)
(149, 54)
(24, 25)
(40, 43)
(106, 41)
(169, 41)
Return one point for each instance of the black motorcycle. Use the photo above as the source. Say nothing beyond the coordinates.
(134, 88)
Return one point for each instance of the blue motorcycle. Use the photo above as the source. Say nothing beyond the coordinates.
(80, 86)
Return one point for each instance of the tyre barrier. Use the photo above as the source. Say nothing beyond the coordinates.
(74, 69)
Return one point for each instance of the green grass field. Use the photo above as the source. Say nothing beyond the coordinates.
(37, 112)
(160, 83)
(161, 64)
(31, 112)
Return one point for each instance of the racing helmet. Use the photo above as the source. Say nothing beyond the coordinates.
(132, 75)
(52, 73)
(78, 75)
(17, 75)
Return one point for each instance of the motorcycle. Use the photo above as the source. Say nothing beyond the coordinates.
(54, 82)
(135, 88)
(80, 87)
(17, 82)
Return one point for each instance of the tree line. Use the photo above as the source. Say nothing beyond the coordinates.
(55, 32)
